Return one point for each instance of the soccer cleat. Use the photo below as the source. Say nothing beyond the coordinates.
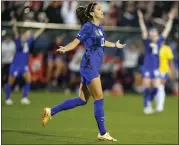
(9, 102)
(25, 101)
(159, 110)
(148, 110)
(46, 116)
(106, 136)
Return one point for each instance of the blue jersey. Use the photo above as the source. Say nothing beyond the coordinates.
(22, 49)
(93, 39)
(151, 59)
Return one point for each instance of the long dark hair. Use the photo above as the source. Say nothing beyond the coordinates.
(83, 13)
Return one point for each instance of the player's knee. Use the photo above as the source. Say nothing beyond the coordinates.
(28, 78)
(99, 96)
(146, 85)
(11, 80)
(162, 82)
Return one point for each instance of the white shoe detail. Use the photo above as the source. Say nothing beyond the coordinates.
(148, 110)
(9, 102)
(25, 101)
(106, 136)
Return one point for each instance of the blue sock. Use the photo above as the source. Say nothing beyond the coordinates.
(8, 89)
(67, 104)
(153, 93)
(26, 90)
(99, 115)
(146, 96)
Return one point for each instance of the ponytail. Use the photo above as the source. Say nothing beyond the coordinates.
(83, 13)
(82, 17)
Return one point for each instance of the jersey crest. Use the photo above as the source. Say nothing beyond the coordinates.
(98, 32)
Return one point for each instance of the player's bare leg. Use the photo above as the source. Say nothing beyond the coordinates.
(96, 91)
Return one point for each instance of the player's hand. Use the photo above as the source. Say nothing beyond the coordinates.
(61, 49)
(119, 45)
(172, 14)
(140, 14)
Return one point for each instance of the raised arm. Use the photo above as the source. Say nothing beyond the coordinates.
(169, 24)
(39, 32)
(14, 29)
(70, 46)
(142, 25)
(112, 44)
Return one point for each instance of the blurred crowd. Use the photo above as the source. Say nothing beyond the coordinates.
(120, 71)
(121, 68)
(120, 13)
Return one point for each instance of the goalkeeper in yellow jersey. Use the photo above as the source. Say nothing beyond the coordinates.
(166, 69)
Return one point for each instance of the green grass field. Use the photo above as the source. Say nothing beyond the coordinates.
(124, 120)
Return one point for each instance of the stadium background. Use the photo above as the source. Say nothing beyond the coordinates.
(120, 71)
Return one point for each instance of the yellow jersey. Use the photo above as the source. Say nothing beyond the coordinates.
(165, 54)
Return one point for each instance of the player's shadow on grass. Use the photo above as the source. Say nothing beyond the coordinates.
(48, 135)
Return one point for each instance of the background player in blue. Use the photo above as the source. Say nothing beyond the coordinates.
(93, 38)
(19, 64)
(150, 72)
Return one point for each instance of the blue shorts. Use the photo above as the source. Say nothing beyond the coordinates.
(151, 74)
(17, 71)
(53, 57)
(87, 74)
(164, 76)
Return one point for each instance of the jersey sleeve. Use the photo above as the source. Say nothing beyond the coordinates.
(30, 40)
(83, 33)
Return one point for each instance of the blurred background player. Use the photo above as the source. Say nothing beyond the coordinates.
(93, 38)
(8, 51)
(166, 69)
(19, 65)
(152, 44)
(56, 65)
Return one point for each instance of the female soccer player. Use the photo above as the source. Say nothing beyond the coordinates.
(151, 74)
(19, 65)
(93, 38)
(167, 70)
